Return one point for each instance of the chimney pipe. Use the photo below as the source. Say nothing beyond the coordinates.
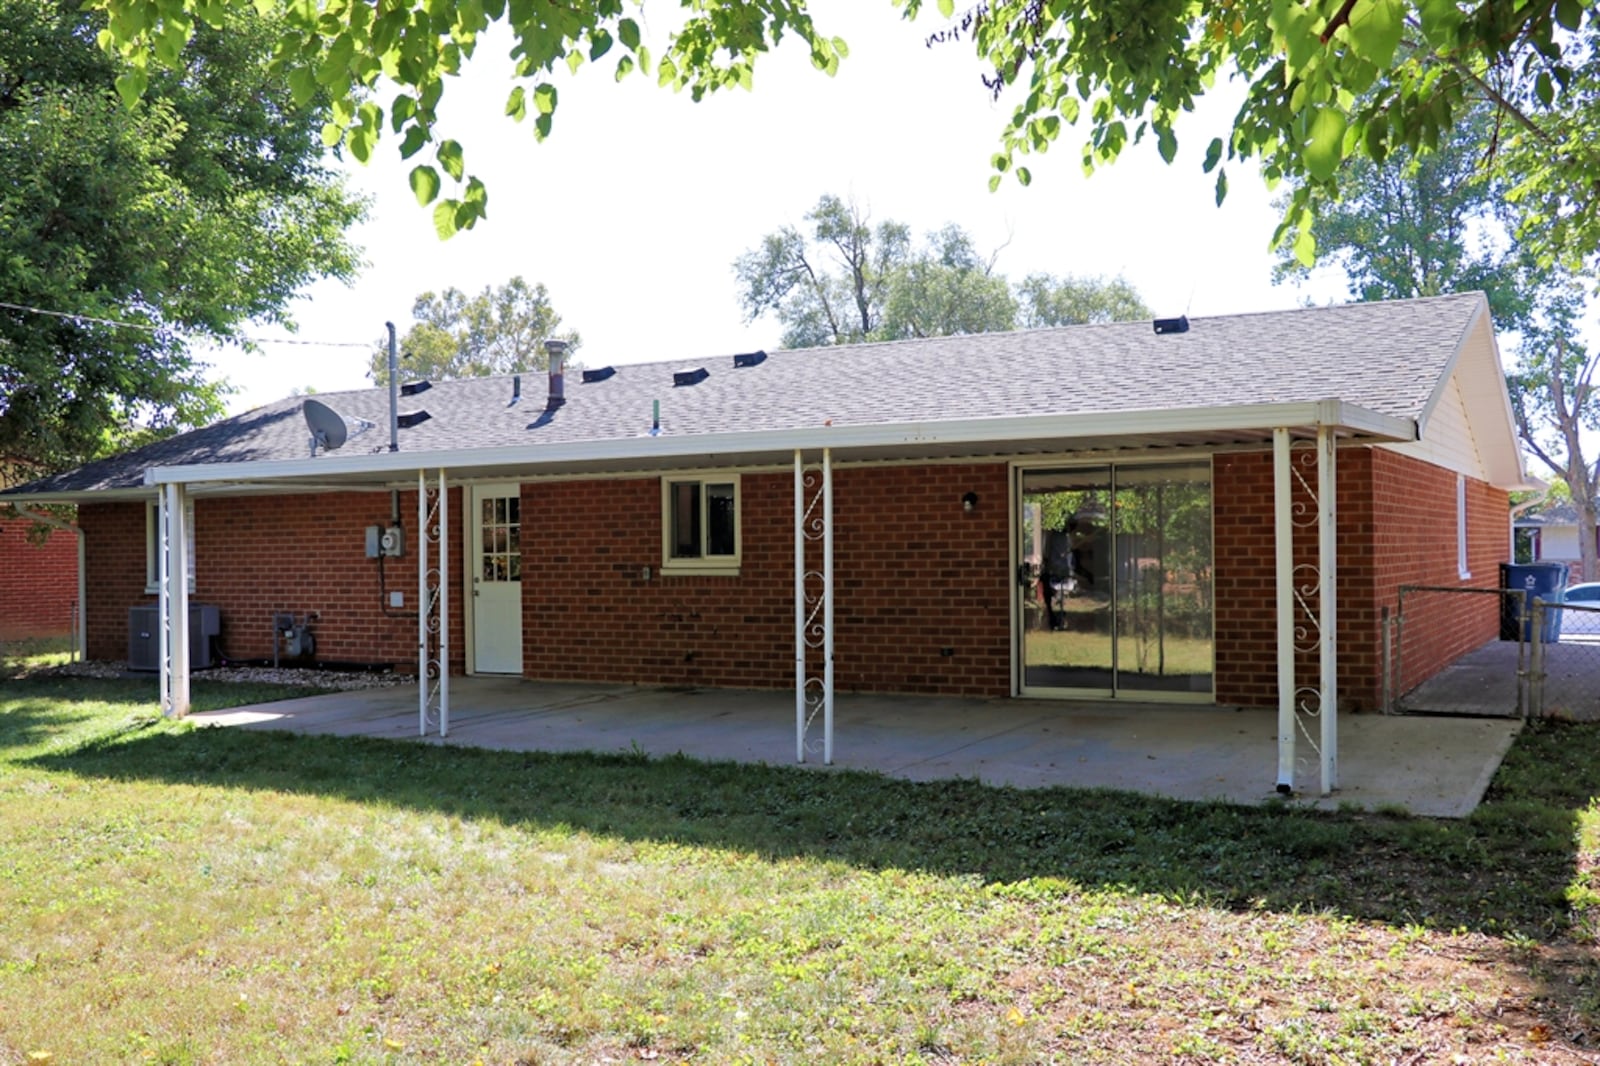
(516, 389)
(394, 391)
(557, 350)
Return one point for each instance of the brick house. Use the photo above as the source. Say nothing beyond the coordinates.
(1116, 512)
(39, 591)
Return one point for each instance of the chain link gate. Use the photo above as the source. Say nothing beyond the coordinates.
(1437, 658)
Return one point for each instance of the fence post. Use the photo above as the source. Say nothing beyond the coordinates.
(1388, 652)
(1536, 666)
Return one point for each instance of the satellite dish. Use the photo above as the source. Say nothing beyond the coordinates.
(327, 426)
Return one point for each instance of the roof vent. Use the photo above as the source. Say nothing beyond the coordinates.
(599, 374)
(691, 377)
(412, 388)
(1173, 325)
(749, 359)
(408, 419)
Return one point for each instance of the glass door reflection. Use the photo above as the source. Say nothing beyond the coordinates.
(1068, 619)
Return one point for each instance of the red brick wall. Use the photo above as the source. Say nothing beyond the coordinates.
(1397, 525)
(40, 582)
(914, 575)
(258, 555)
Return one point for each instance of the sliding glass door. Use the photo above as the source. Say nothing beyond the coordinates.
(1114, 580)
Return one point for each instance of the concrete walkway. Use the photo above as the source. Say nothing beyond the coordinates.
(1430, 766)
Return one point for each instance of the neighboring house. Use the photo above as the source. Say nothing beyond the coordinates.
(39, 592)
(1553, 533)
(1107, 511)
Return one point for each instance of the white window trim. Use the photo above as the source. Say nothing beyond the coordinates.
(152, 540)
(1461, 527)
(718, 566)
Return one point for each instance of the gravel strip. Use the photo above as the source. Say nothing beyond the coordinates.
(284, 675)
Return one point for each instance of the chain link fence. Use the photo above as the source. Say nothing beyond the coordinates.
(1444, 654)
(1564, 661)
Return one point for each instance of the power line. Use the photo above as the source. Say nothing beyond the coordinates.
(147, 328)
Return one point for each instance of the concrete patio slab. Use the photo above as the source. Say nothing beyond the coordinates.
(1431, 766)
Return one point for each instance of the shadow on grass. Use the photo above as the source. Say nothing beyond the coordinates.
(1505, 871)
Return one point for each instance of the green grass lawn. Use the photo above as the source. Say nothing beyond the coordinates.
(179, 895)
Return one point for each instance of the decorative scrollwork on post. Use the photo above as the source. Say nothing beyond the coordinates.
(430, 618)
(813, 606)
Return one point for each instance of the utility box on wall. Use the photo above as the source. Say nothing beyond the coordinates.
(144, 636)
(385, 540)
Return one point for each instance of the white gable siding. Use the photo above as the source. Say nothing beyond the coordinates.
(1448, 440)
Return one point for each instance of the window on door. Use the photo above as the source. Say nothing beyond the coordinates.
(700, 524)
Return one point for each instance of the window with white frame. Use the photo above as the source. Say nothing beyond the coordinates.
(700, 523)
(152, 544)
(1461, 527)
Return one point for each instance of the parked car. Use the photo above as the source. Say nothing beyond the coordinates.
(1582, 624)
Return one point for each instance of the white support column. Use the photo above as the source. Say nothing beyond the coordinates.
(82, 634)
(799, 608)
(1327, 552)
(444, 607)
(1283, 542)
(827, 606)
(178, 601)
(422, 603)
(164, 599)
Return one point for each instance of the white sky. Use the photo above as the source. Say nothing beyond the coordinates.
(634, 210)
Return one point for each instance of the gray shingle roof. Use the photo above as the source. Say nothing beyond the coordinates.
(1386, 357)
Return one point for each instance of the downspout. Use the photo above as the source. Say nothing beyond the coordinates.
(80, 632)
(394, 391)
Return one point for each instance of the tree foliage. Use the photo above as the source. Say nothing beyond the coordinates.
(203, 208)
(1423, 225)
(847, 280)
(1328, 80)
(498, 331)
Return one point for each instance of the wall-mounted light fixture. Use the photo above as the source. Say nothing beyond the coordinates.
(969, 502)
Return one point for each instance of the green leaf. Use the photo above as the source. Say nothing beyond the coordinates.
(1024, 176)
(412, 143)
(360, 141)
(628, 30)
(1375, 29)
(600, 42)
(947, 8)
(1543, 88)
(517, 103)
(1213, 154)
(1325, 142)
(840, 48)
(1166, 143)
(131, 86)
(401, 112)
(331, 134)
(1305, 246)
(1569, 13)
(544, 98)
(444, 219)
(450, 158)
(425, 184)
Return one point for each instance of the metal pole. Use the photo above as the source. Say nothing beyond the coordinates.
(394, 393)
(1283, 543)
(827, 606)
(444, 606)
(1327, 545)
(164, 600)
(422, 603)
(178, 599)
(1388, 657)
(1536, 669)
(799, 609)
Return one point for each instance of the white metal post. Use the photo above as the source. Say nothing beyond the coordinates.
(422, 603)
(1327, 566)
(178, 599)
(444, 607)
(827, 606)
(799, 609)
(82, 635)
(1283, 541)
(164, 599)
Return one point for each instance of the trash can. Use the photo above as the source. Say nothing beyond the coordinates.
(1541, 581)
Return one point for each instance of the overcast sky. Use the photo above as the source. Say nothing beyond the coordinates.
(634, 210)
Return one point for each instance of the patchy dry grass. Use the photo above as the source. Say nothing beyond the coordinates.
(198, 896)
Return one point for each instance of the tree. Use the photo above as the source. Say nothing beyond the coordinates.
(1422, 225)
(135, 233)
(498, 331)
(1327, 79)
(1047, 300)
(849, 281)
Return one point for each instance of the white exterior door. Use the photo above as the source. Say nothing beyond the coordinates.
(496, 579)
